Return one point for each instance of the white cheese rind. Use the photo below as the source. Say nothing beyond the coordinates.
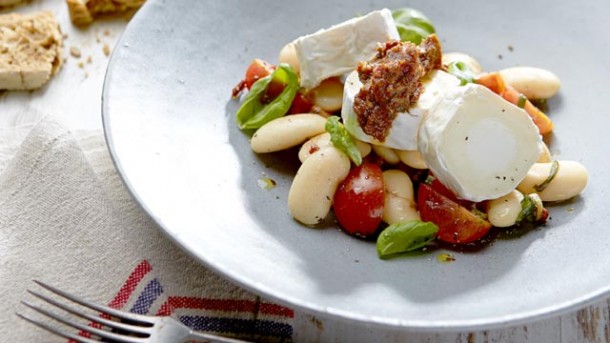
(403, 133)
(478, 144)
(338, 49)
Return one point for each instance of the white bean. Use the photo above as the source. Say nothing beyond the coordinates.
(286, 132)
(504, 211)
(534, 83)
(468, 60)
(399, 205)
(545, 154)
(313, 188)
(322, 141)
(387, 154)
(412, 158)
(364, 148)
(571, 178)
(288, 55)
(328, 95)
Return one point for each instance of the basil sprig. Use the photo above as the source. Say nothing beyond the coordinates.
(342, 140)
(404, 237)
(413, 26)
(253, 113)
(460, 70)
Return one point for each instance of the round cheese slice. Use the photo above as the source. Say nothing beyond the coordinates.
(403, 133)
(478, 144)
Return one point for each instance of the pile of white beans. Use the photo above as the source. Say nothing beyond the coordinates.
(324, 167)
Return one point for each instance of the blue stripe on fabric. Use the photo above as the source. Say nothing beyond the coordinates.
(238, 326)
(151, 292)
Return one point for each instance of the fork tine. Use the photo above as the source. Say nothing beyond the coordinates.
(111, 311)
(89, 329)
(103, 321)
(53, 330)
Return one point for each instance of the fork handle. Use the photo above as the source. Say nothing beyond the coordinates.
(196, 336)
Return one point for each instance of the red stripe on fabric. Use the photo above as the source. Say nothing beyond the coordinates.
(212, 304)
(123, 295)
(130, 285)
(176, 302)
(276, 310)
(165, 309)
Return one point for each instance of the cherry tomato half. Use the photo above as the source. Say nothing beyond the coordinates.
(443, 190)
(358, 202)
(456, 224)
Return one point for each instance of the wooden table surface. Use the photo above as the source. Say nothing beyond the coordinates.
(74, 95)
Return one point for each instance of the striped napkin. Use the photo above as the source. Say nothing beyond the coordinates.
(67, 220)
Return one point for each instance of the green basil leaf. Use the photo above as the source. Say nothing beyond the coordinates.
(460, 70)
(342, 140)
(253, 114)
(538, 215)
(528, 211)
(413, 26)
(404, 237)
(522, 101)
(532, 210)
(552, 174)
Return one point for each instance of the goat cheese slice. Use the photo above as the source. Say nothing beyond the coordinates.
(338, 49)
(478, 144)
(403, 133)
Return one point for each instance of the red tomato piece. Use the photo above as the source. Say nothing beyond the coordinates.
(273, 90)
(456, 224)
(359, 199)
(442, 189)
(257, 70)
(300, 104)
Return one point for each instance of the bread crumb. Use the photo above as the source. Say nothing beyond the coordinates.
(106, 49)
(81, 65)
(75, 52)
(106, 32)
(83, 12)
(89, 59)
(30, 50)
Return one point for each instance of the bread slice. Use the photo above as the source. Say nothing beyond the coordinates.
(82, 12)
(30, 50)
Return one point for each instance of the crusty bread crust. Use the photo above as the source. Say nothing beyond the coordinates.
(9, 2)
(30, 50)
(83, 12)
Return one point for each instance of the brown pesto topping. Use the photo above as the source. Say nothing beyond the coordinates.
(392, 82)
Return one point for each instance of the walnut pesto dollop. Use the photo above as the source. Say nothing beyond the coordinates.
(392, 82)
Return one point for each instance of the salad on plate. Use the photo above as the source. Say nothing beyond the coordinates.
(406, 144)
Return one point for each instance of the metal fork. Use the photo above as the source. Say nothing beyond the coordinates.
(127, 327)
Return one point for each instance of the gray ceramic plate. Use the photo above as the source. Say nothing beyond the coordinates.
(169, 121)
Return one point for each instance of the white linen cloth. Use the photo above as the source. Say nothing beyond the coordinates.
(67, 220)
